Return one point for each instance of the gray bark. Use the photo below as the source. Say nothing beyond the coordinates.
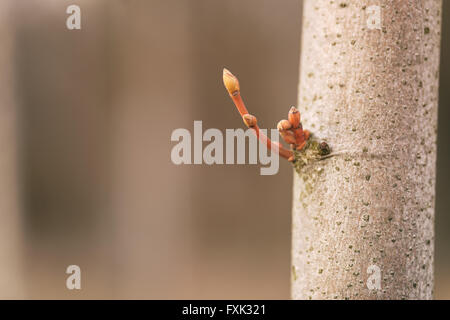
(372, 94)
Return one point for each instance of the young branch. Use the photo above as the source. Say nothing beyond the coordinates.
(232, 85)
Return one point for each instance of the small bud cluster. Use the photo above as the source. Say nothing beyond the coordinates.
(303, 148)
(292, 132)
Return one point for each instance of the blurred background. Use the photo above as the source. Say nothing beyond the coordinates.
(86, 177)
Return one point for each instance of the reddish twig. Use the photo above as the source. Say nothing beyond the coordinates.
(232, 85)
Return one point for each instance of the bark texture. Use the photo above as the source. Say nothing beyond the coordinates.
(372, 94)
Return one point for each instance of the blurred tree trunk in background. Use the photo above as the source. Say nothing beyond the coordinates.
(62, 95)
(10, 226)
(363, 220)
(150, 96)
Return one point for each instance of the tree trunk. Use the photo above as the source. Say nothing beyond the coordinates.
(363, 220)
(10, 231)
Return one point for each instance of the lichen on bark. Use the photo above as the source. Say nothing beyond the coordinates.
(314, 150)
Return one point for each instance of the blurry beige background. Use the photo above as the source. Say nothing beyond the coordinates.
(86, 122)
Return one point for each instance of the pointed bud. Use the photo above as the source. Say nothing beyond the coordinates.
(249, 120)
(301, 146)
(299, 135)
(284, 125)
(288, 136)
(230, 82)
(307, 134)
(294, 117)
